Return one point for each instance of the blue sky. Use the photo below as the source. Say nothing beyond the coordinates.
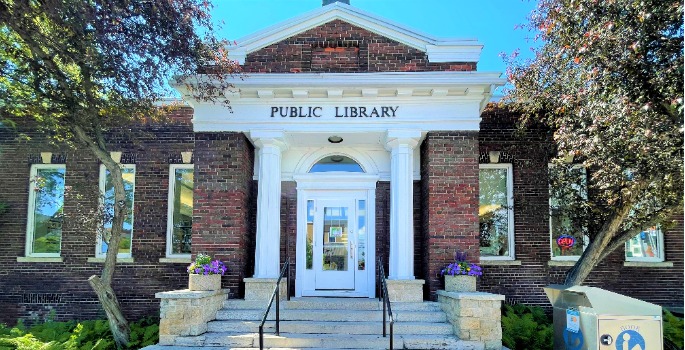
(492, 22)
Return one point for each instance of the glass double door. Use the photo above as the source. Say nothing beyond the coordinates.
(336, 246)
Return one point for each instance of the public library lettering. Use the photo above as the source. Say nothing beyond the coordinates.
(337, 112)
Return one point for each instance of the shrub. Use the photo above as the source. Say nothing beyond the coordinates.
(526, 327)
(673, 329)
(72, 335)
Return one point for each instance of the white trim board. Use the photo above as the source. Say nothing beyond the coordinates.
(437, 49)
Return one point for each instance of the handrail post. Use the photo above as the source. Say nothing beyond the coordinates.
(278, 308)
(261, 337)
(392, 323)
(383, 314)
(380, 290)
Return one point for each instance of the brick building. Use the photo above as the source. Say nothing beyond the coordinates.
(352, 138)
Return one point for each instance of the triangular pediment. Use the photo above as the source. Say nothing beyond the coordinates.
(436, 49)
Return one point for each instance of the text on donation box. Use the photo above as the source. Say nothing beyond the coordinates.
(334, 112)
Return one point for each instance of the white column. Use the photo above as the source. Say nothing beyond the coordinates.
(401, 145)
(269, 145)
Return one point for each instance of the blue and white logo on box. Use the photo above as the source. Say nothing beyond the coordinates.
(630, 340)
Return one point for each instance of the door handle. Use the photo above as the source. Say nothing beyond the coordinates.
(352, 250)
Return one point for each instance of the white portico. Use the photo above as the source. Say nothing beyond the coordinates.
(291, 117)
(337, 135)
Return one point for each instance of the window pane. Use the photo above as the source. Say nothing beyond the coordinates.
(336, 163)
(493, 212)
(310, 234)
(646, 245)
(567, 232)
(128, 173)
(47, 213)
(335, 235)
(183, 211)
(361, 235)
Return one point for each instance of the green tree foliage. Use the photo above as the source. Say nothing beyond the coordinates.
(81, 68)
(608, 81)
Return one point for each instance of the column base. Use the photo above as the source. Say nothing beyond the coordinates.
(262, 288)
(405, 291)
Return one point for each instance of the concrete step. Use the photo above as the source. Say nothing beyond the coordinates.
(317, 327)
(331, 341)
(330, 304)
(332, 315)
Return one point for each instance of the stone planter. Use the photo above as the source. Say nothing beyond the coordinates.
(204, 282)
(460, 283)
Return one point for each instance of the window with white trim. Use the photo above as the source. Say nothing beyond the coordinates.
(45, 213)
(647, 246)
(495, 211)
(568, 237)
(180, 218)
(128, 172)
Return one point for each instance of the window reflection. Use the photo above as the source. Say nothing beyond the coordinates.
(336, 163)
(128, 173)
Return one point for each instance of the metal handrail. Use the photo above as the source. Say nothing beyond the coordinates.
(383, 293)
(284, 270)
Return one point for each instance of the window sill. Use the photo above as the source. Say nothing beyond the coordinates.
(487, 262)
(32, 259)
(119, 260)
(175, 260)
(648, 264)
(561, 262)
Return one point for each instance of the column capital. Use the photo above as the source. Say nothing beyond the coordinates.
(265, 138)
(395, 138)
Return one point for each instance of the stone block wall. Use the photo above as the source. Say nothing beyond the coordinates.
(474, 316)
(186, 313)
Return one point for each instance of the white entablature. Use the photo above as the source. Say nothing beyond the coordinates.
(437, 49)
(371, 102)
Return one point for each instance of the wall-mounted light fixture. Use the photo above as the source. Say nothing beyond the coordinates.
(335, 139)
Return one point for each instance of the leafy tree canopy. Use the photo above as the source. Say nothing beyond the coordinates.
(99, 63)
(608, 80)
(81, 67)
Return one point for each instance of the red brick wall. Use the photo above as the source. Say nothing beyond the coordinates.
(222, 220)
(528, 153)
(338, 46)
(32, 290)
(449, 201)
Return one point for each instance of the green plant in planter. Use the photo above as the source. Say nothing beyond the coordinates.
(204, 265)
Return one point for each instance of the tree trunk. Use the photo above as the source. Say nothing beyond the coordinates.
(103, 285)
(596, 250)
(117, 322)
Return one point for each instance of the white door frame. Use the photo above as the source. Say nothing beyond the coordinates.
(326, 185)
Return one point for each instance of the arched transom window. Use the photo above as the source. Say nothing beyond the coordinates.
(336, 163)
